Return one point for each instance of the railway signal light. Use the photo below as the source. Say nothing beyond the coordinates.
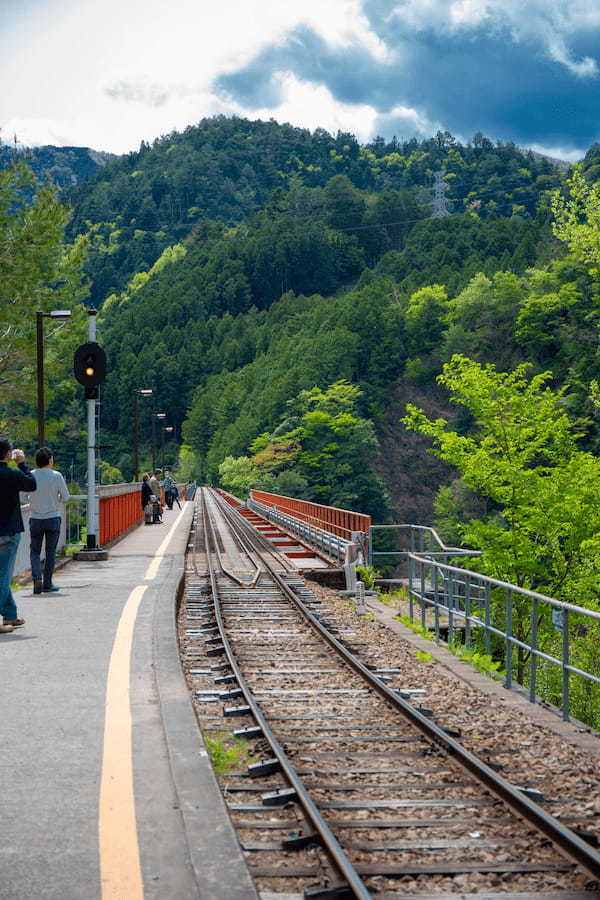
(89, 365)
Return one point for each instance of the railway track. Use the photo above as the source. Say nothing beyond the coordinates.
(352, 790)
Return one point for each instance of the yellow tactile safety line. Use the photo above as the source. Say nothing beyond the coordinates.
(120, 869)
(152, 569)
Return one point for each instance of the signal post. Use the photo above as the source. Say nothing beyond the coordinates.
(89, 366)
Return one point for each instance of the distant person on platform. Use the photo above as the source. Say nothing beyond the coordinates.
(146, 502)
(169, 484)
(156, 485)
(46, 508)
(157, 491)
(11, 526)
(175, 496)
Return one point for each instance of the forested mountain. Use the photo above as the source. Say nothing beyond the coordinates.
(62, 166)
(240, 264)
(226, 169)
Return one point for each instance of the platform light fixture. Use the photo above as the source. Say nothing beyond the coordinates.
(155, 416)
(169, 429)
(137, 393)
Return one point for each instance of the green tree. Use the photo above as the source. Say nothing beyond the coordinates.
(38, 271)
(522, 453)
(577, 219)
(237, 475)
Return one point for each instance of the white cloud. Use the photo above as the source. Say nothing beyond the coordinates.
(111, 75)
(549, 23)
(567, 154)
(313, 106)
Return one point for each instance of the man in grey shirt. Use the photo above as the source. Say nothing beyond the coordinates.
(45, 517)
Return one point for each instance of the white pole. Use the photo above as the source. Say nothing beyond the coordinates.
(92, 514)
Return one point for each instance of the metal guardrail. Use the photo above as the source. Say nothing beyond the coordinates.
(330, 519)
(485, 607)
(412, 539)
(329, 545)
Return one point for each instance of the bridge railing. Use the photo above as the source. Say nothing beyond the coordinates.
(325, 543)
(331, 519)
(543, 643)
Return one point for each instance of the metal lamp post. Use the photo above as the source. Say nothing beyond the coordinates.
(60, 315)
(138, 392)
(166, 428)
(155, 416)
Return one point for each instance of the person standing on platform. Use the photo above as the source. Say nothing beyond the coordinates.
(12, 481)
(45, 518)
(175, 496)
(146, 502)
(157, 491)
(169, 484)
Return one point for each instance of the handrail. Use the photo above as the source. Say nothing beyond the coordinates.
(324, 542)
(482, 602)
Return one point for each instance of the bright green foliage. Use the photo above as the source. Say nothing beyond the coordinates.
(368, 575)
(38, 271)
(522, 453)
(238, 475)
(188, 466)
(110, 474)
(326, 456)
(577, 219)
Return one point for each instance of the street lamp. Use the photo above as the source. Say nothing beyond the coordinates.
(155, 416)
(138, 392)
(165, 428)
(61, 315)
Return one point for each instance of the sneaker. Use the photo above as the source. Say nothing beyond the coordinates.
(6, 629)
(16, 623)
(37, 587)
(51, 589)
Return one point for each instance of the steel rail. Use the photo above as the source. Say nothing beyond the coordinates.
(571, 844)
(227, 571)
(329, 840)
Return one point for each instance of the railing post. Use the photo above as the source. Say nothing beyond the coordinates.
(565, 664)
(467, 611)
(423, 619)
(436, 600)
(487, 634)
(508, 640)
(370, 547)
(533, 663)
(411, 565)
(450, 607)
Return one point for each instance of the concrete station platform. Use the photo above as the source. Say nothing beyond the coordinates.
(106, 788)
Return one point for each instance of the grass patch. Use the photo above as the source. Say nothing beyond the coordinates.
(394, 598)
(227, 752)
(424, 657)
(418, 629)
(480, 661)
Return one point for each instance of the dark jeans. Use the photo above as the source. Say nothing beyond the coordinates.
(40, 529)
(8, 553)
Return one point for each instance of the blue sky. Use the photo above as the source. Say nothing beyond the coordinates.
(109, 75)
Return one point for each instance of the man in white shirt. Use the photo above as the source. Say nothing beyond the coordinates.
(45, 517)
